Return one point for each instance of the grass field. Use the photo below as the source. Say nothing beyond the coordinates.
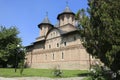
(29, 72)
(87, 78)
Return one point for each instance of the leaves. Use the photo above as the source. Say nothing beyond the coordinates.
(101, 31)
(8, 43)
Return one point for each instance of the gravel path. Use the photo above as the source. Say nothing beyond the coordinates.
(41, 78)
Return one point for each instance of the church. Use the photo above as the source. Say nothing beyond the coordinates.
(58, 45)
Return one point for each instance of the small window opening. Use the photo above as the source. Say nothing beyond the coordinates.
(57, 45)
(74, 38)
(53, 56)
(46, 57)
(62, 55)
(49, 46)
(65, 43)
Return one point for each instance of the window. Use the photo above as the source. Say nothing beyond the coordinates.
(44, 47)
(62, 55)
(49, 46)
(65, 43)
(54, 33)
(45, 56)
(57, 44)
(53, 56)
(51, 34)
(67, 19)
(74, 38)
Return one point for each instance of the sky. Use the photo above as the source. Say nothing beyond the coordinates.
(27, 14)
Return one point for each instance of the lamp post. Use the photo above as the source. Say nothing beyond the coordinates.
(16, 54)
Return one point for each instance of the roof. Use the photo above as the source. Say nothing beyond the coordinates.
(66, 11)
(45, 21)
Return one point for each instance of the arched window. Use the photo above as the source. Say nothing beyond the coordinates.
(53, 56)
(45, 56)
(64, 43)
(62, 55)
(74, 38)
(49, 46)
(57, 44)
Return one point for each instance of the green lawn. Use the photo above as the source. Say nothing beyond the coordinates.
(9, 72)
(87, 78)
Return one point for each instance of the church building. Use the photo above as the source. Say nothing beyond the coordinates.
(58, 45)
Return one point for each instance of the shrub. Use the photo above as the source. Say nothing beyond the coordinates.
(57, 72)
(96, 73)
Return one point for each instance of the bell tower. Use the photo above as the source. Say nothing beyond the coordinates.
(67, 16)
(45, 26)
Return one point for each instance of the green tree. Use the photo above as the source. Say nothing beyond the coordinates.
(8, 45)
(100, 32)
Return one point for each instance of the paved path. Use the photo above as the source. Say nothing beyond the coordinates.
(41, 78)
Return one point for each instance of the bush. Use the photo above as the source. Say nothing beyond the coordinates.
(102, 73)
(96, 73)
(57, 72)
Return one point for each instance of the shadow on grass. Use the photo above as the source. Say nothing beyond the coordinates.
(83, 74)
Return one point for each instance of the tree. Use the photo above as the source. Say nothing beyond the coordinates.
(8, 45)
(101, 32)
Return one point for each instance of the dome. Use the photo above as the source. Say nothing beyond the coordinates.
(66, 11)
(45, 21)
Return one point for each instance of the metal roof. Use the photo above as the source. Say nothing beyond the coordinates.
(67, 9)
(46, 20)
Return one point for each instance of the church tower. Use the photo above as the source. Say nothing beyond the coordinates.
(45, 26)
(67, 16)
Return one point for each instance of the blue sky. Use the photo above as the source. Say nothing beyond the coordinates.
(27, 14)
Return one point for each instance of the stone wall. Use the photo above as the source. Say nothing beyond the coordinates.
(69, 55)
(72, 57)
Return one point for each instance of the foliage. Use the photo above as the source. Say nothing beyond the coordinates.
(21, 66)
(100, 32)
(8, 45)
(97, 73)
(57, 72)
(29, 72)
(22, 60)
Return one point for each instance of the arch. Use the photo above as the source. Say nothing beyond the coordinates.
(54, 33)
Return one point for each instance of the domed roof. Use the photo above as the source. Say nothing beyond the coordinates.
(66, 11)
(45, 21)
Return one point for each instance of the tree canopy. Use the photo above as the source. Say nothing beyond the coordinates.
(8, 45)
(101, 31)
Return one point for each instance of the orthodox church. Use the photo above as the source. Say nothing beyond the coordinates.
(58, 45)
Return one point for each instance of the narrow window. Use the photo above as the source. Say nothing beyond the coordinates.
(45, 56)
(74, 38)
(51, 34)
(53, 56)
(62, 55)
(54, 33)
(65, 43)
(67, 19)
(49, 46)
(44, 47)
(57, 45)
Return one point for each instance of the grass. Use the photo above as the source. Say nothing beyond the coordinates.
(87, 78)
(30, 72)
